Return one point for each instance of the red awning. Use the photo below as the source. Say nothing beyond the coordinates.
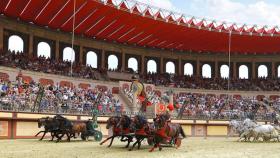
(138, 24)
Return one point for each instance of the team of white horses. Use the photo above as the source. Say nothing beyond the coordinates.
(249, 130)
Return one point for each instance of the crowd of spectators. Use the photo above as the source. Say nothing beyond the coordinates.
(47, 65)
(193, 82)
(22, 97)
(17, 96)
(226, 107)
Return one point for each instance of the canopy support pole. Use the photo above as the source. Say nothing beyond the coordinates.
(73, 37)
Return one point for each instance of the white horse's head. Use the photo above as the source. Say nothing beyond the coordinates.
(247, 123)
(236, 126)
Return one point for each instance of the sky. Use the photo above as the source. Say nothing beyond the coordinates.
(260, 12)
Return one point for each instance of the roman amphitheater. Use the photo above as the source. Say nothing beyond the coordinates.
(73, 57)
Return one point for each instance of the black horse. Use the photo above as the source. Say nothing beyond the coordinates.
(167, 132)
(65, 127)
(50, 125)
(143, 130)
(58, 126)
(118, 130)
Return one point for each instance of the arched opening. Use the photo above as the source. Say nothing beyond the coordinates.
(15, 44)
(43, 50)
(151, 66)
(224, 71)
(113, 62)
(206, 71)
(278, 70)
(243, 72)
(68, 54)
(188, 69)
(91, 59)
(133, 64)
(170, 67)
(262, 71)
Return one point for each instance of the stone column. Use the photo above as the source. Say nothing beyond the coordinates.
(273, 70)
(81, 55)
(30, 47)
(143, 65)
(103, 59)
(216, 69)
(180, 66)
(253, 70)
(123, 62)
(57, 50)
(161, 65)
(1, 37)
(197, 68)
(234, 70)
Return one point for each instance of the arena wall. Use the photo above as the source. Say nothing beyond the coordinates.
(15, 125)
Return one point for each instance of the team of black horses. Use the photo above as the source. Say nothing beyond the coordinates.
(159, 133)
(59, 126)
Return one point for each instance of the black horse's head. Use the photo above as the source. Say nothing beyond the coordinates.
(139, 121)
(112, 122)
(125, 122)
(160, 120)
(42, 122)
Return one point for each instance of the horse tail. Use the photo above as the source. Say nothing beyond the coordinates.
(182, 132)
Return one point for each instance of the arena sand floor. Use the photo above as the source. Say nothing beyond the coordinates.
(191, 148)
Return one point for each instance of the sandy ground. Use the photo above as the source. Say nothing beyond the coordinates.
(191, 147)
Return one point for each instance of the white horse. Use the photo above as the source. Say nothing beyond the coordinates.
(267, 132)
(237, 126)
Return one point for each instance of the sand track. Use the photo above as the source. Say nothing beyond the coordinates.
(191, 147)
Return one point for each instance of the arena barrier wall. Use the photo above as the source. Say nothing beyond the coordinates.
(15, 125)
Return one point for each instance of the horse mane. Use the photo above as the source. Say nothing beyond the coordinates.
(127, 121)
(142, 119)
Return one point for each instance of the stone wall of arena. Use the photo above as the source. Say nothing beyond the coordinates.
(15, 125)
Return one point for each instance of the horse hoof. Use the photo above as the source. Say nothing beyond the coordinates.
(100, 143)
(160, 149)
(129, 149)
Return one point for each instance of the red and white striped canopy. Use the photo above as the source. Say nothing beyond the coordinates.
(134, 23)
